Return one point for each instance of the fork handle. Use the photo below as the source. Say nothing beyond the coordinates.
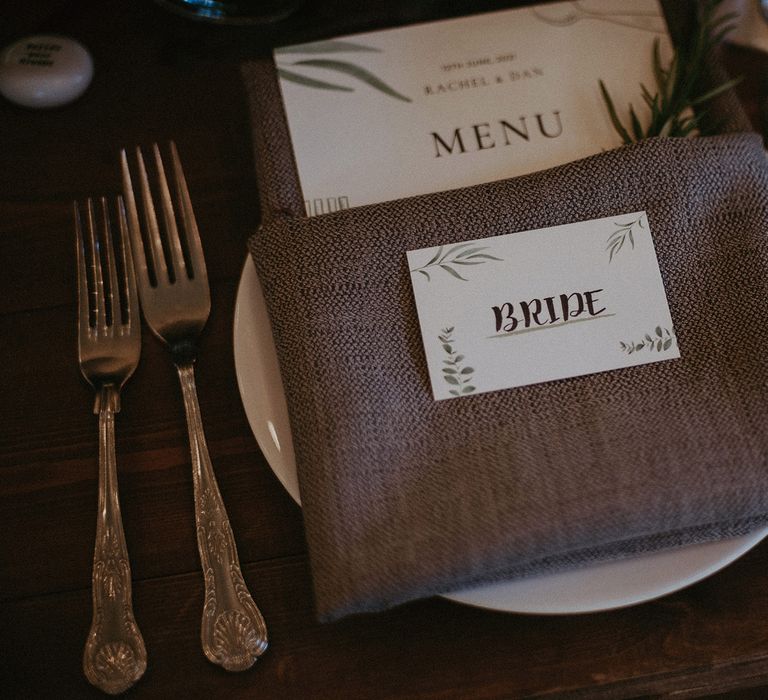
(233, 632)
(114, 657)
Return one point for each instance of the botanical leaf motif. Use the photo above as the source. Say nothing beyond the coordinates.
(573, 12)
(330, 46)
(453, 272)
(455, 375)
(354, 71)
(663, 339)
(436, 257)
(471, 251)
(624, 233)
(292, 77)
(485, 256)
(461, 254)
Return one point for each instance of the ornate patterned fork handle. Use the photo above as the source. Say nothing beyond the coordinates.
(114, 657)
(233, 633)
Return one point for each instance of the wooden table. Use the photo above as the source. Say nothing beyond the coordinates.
(160, 77)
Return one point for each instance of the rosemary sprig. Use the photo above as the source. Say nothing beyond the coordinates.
(679, 86)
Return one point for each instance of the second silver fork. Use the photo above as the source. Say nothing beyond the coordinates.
(175, 299)
(109, 344)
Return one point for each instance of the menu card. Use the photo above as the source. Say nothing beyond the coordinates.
(437, 106)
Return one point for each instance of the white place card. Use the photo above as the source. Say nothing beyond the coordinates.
(535, 306)
(436, 106)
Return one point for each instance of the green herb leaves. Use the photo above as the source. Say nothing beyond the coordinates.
(680, 87)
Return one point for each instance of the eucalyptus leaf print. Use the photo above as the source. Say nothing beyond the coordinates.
(457, 375)
(624, 234)
(295, 71)
(659, 340)
(455, 259)
(568, 14)
(326, 47)
(310, 82)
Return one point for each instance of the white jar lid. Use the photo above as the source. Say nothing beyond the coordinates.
(45, 71)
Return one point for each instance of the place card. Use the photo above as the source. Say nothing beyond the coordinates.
(437, 106)
(536, 306)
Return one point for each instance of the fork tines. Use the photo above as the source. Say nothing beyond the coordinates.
(172, 249)
(104, 302)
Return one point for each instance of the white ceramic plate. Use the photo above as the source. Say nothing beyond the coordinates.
(600, 587)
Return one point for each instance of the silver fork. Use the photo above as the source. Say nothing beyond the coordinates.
(109, 344)
(173, 286)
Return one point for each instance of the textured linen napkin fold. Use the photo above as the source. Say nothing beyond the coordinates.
(406, 497)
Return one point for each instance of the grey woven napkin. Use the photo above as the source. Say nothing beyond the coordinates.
(406, 497)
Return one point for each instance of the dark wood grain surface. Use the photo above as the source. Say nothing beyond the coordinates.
(157, 77)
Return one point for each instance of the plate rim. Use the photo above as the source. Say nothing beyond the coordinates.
(483, 596)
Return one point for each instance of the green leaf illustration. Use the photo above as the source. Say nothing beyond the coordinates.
(436, 257)
(485, 256)
(624, 233)
(292, 77)
(461, 254)
(471, 251)
(663, 340)
(453, 272)
(455, 375)
(354, 71)
(330, 46)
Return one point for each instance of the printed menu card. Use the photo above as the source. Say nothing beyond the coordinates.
(442, 105)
